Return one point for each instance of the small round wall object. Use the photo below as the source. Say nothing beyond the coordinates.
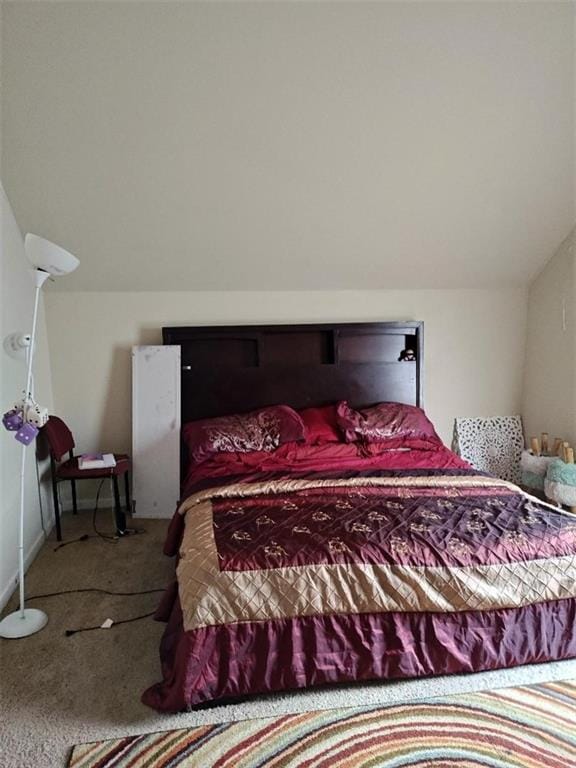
(534, 469)
(560, 483)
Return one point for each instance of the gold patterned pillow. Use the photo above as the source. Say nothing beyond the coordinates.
(262, 430)
(386, 422)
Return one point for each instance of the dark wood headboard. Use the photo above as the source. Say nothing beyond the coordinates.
(231, 369)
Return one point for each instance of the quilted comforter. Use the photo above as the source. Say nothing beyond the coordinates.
(286, 581)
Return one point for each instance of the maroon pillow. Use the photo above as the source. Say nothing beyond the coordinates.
(262, 430)
(321, 425)
(385, 422)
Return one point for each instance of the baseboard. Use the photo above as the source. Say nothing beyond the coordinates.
(103, 503)
(108, 503)
(12, 585)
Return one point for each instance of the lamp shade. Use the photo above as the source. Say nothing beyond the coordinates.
(49, 257)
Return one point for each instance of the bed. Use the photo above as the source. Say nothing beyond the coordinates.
(337, 561)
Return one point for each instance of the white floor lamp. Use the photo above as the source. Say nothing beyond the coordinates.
(48, 259)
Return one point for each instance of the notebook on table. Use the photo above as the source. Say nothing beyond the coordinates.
(96, 461)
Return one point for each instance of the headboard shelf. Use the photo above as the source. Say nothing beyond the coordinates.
(228, 369)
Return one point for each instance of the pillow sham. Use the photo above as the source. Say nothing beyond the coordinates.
(385, 422)
(261, 430)
(321, 425)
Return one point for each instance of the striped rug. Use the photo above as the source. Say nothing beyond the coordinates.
(513, 727)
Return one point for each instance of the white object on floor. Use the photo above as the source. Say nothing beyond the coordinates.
(23, 623)
(156, 429)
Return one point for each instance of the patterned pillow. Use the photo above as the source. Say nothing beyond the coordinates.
(262, 430)
(386, 422)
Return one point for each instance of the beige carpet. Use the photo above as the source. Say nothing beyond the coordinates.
(58, 691)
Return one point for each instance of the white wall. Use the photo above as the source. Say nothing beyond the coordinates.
(549, 399)
(474, 345)
(17, 301)
(291, 145)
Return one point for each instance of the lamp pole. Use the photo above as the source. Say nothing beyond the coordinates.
(47, 259)
(26, 621)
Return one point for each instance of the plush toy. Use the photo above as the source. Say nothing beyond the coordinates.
(25, 419)
(560, 483)
(534, 469)
(26, 434)
(13, 420)
(36, 414)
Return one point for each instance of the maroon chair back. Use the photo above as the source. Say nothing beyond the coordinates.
(59, 437)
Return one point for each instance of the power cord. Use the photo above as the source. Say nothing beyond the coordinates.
(84, 537)
(95, 589)
(119, 534)
(103, 536)
(109, 622)
(110, 539)
(70, 632)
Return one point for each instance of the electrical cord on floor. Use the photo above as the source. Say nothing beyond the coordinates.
(84, 537)
(95, 589)
(104, 536)
(118, 535)
(109, 622)
(70, 632)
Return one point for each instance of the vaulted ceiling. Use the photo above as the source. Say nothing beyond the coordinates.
(207, 146)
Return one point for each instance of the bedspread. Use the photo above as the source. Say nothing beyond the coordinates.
(286, 581)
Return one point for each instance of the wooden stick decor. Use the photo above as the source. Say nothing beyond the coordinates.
(545, 445)
(569, 459)
(557, 445)
(535, 445)
(565, 447)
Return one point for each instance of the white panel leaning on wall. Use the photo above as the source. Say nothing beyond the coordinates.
(156, 429)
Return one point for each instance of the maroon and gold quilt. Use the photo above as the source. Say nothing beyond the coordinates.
(288, 581)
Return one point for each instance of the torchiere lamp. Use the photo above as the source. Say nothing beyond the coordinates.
(24, 419)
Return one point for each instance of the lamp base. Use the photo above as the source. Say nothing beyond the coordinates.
(20, 624)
